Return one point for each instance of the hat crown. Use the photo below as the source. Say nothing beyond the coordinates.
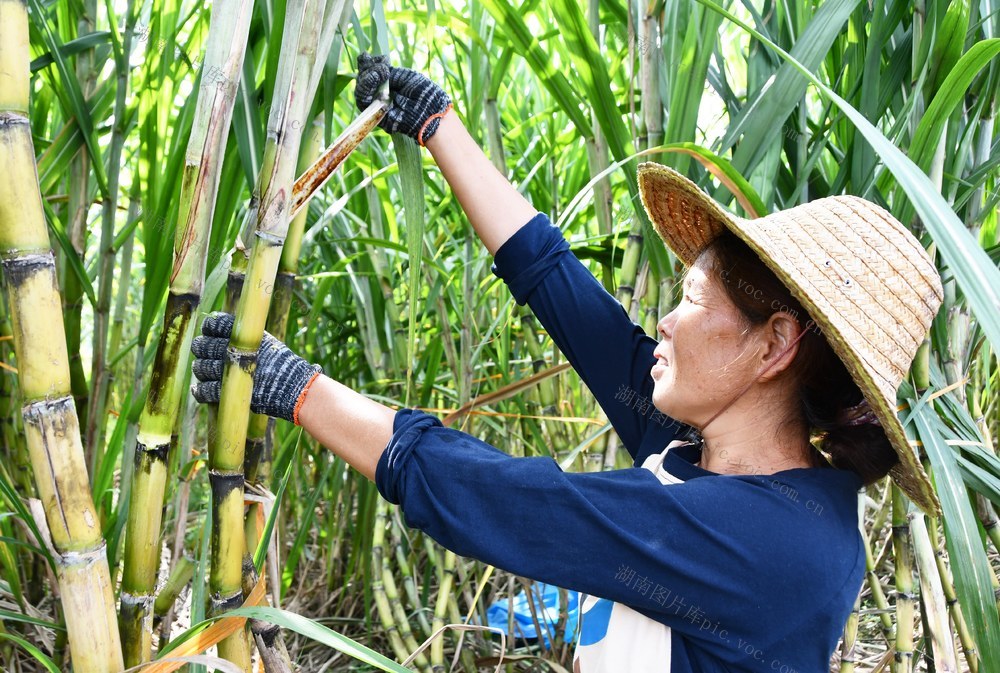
(870, 277)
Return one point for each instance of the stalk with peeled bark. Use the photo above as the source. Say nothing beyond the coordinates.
(271, 194)
(206, 148)
(260, 440)
(51, 426)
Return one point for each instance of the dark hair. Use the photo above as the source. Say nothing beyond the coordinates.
(826, 391)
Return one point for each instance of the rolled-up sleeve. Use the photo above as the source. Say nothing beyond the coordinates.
(599, 532)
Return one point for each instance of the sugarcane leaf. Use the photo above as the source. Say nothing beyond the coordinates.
(72, 48)
(528, 46)
(319, 633)
(978, 278)
(14, 503)
(412, 193)
(11, 570)
(952, 93)
(10, 616)
(71, 256)
(70, 94)
(38, 655)
(265, 537)
(761, 119)
(968, 559)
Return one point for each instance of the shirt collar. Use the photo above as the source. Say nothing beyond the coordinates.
(680, 462)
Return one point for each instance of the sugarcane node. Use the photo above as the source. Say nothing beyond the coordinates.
(146, 456)
(269, 238)
(635, 238)
(85, 557)
(245, 360)
(231, 602)
(8, 118)
(136, 601)
(21, 268)
(183, 302)
(224, 483)
(37, 411)
(266, 631)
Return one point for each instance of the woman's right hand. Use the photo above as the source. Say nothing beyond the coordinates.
(413, 98)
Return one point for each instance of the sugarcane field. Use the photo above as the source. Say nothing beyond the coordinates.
(549, 336)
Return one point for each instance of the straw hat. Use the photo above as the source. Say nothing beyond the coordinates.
(864, 279)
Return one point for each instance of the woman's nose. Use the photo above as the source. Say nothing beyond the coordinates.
(665, 326)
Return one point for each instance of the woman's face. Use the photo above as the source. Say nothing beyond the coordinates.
(705, 355)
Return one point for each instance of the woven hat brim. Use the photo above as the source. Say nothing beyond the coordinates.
(688, 220)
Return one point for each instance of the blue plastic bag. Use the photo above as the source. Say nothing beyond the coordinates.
(546, 602)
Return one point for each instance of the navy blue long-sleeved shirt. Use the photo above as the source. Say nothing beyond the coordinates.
(684, 570)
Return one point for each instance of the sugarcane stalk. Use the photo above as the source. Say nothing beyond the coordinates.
(932, 598)
(409, 583)
(902, 551)
(878, 595)
(444, 598)
(272, 196)
(649, 81)
(848, 647)
(380, 591)
(78, 202)
(179, 577)
(228, 30)
(951, 599)
(99, 372)
(267, 636)
(51, 426)
(260, 433)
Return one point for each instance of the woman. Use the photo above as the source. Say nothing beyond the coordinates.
(731, 548)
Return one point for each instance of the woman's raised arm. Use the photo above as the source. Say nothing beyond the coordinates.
(495, 209)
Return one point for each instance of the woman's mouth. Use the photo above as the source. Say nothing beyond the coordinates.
(658, 367)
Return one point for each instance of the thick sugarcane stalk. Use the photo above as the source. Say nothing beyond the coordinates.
(276, 199)
(51, 427)
(228, 31)
(905, 598)
(260, 433)
(272, 194)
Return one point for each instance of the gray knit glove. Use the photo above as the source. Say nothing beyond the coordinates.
(413, 98)
(280, 377)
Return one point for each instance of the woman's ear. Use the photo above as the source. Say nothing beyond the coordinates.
(779, 344)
